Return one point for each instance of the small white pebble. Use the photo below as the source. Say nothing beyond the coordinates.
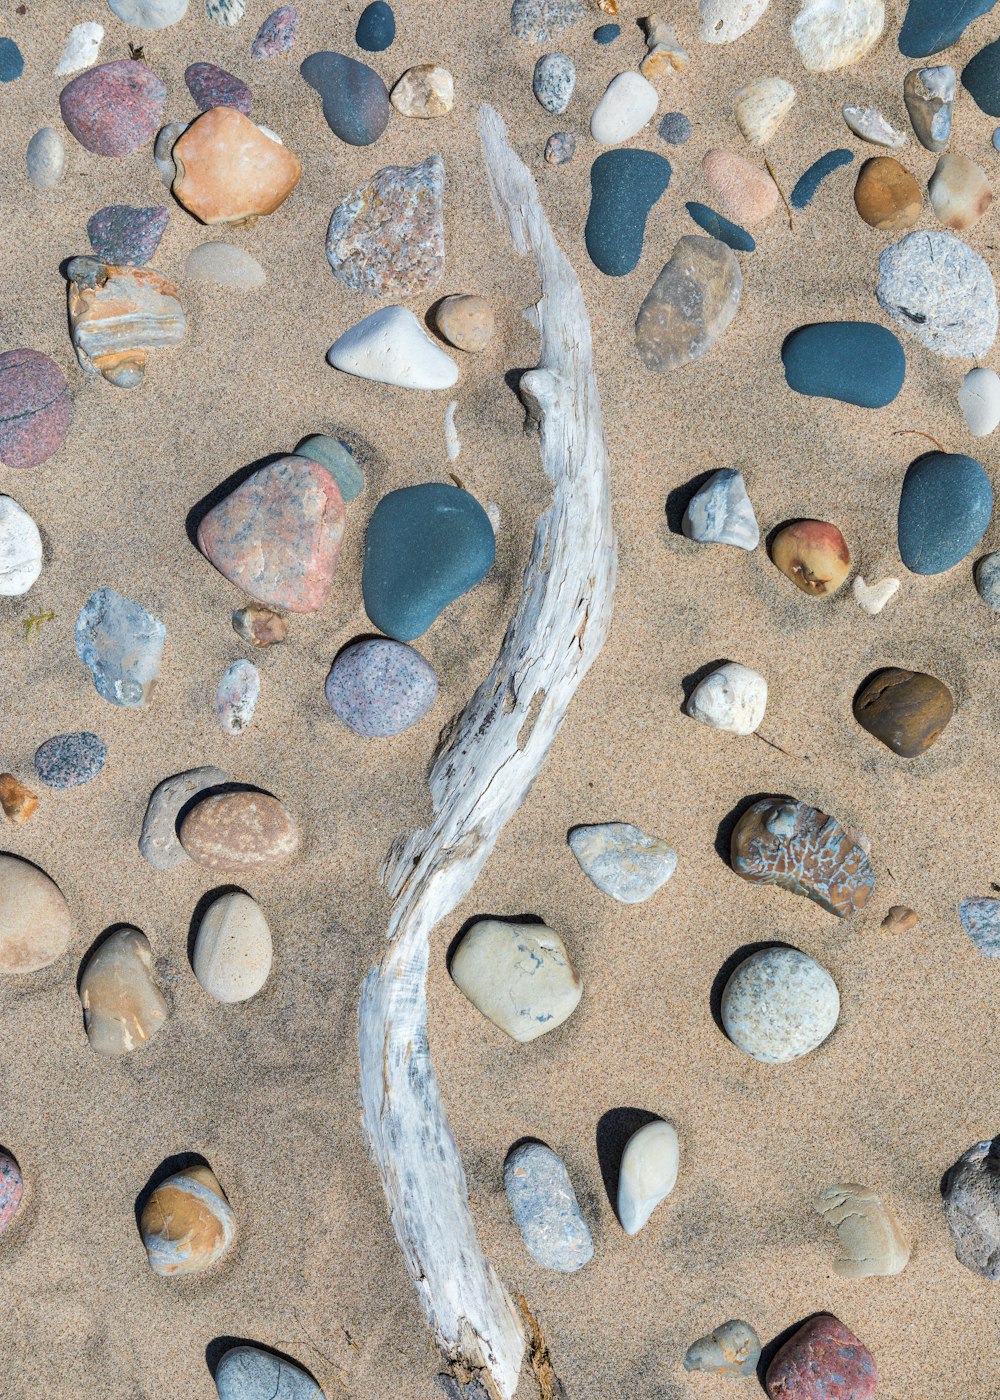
(873, 597)
(80, 49)
(452, 443)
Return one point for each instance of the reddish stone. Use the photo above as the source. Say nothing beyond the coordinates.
(277, 536)
(114, 108)
(11, 1189)
(211, 86)
(823, 1361)
(35, 409)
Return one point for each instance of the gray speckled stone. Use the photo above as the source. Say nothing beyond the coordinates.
(387, 238)
(545, 1208)
(121, 645)
(623, 861)
(554, 81)
(779, 1004)
(941, 291)
(247, 1373)
(70, 760)
(972, 1208)
(981, 921)
(379, 687)
(159, 843)
(721, 513)
(519, 975)
(538, 21)
(731, 1349)
(988, 579)
(675, 128)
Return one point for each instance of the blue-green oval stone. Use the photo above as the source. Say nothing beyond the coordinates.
(944, 509)
(981, 78)
(718, 226)
(855, 361)
(933, 25)
(376, 27)
(624, 186)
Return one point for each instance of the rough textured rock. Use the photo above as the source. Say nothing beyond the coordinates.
(276, 34)
(929, 94)
(260, 626)
(623, 861)
(247, 1373)
(118, 315)
(518, 975)
(239, 831)
(780, 841)
(45, 158)
(981, 920)
(856, 362)
(831, 34)
(822, 1358)
(906, 710)
(872, 597)
(871, 126)
(761, 106)
(539, 21)
(629, 102)
(11, 1189)
(731, 1349)
(899, 919)
(355, 99)
(971, 1194)
(675, 128)
(392, 347)
(159, 843)
(887, 196)
(19, 803)
(237, 695)
(70, 760)
(748, 194)
(720, 512)
(35, 923)
(664, 55)
(545, 1208)
(779, 1004)
(944, 510)
(379, 687)
(648, 1173)
(122, 1006)
(732, 698)
(388, 237)
(224, 265)
(232, 948)
(229, 171)
(690, 305)
(960, 192)
(424, 91)
(560, 148)
(624, 186)
(166, 139)
(35, 408)
(814, 555)
(941, 291)
(211, 86)
(121, 644)
(127, 237)
(20, 549)
(228, 13)
(115, 108)
(722, 21)
(872, 1245)
(187, 1224)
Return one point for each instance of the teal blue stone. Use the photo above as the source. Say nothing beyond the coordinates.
(933, 25)
(624, 186)
(376, 27)
(804, 190)
(981, 78)
(856, 362)
(607, 33)
(339, 461)
(11, 61)
(425, 547)
(717, 226)
(944, 510)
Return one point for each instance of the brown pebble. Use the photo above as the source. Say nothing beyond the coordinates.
(906, 710)
(886, 196)
(260, 625)
(466, 322)
(237, 830)
(899, 919)
(18, 802)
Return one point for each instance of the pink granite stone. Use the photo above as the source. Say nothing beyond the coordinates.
(823, 1361)
(277, 536)
(35, 408)
(211, 86)
(115, 108)
(11, 1189)
(277, 34)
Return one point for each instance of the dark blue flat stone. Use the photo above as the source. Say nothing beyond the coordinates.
(944, 509)
(11, 61)
(425, 547)
(853, 361)
(624, 186)
(933, 25)
(376, 27)
(981, 79)
(717, 226)
(607, 33)
(804, 191)
(355, 99)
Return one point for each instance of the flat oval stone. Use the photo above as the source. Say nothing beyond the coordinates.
(11, 1189)
(11, 61)
(690, 305)
(149, 14)
(35, 408)
(376, 27)
(981, 78)
(339, 461)
(941, 291)
(229, 170)
(971, 1193)
(906, 710)
(224, 265)
(122, 1006)
(387, 238)
(45, 158)
(855, 362)
(779, 1004)
(115, 108)
(648, 1173)
(545, 1208)
(887, 196)
(277, 34)
(720, 512)
(944, 509)
(518, 975)
(624, 186)
(623, 861)
(70, 760)
(425, 546)
(158, 841)
(466, 321)
(232, 948)
(731, 1349)
(806, 187)
(121, 644)
(607, 33)
(822, 1359)
(127, 236)
(718, 226)
(247, 1373)
(355, 99)
(391, 347)
(780, 841)
(731, 698)
(832, 34)
(211, 86)
(237, 695)
(871, 126)
(553, 82)
(629, 102)
(930, 26)
(35, 923)
(20, 549)
(239, 831)
(187, 1224)
(749, 194)
(379, 687)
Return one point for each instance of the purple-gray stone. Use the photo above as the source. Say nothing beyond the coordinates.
(355, 99)
(211, 86)
(380, 687)
(121, 644)
(545, 1208)
(70, 760)
(127, 237)
(277, 34)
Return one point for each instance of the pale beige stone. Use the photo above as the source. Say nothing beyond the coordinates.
(761, 107)
(229, 171)
(122, 1006)
(871, 1241)
(519, 975)
(960, 192)
(35, 922)
(424, 91)
(748, 194)
(466, 321)
(232, 949)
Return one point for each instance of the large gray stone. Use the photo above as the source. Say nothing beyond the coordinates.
(972, 1208)
(159, 842)
(941, 291)
(690, 305)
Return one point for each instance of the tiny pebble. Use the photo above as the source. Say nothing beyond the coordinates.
(731, 1349)
(466, 321)
(607, 33)
(70, 760)
(899, 919)
(675, 128)
(987, 574)
(260, 625)
(560, 148)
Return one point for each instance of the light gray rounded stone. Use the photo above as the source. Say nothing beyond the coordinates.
(159, 843)
(979, 400)
(779, 1004)
(623, 861)
(224, 265)
(232, 948)
(249, 1373)
(545, 1208)
(20, 549)
(648, 1173)
(45, 158)
(163, 146)
(149, 14)
(518, 975)
(721, 513)
(941, 291)
(732, 698)
(554, 81)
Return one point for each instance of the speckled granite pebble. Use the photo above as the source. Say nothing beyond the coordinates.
(225, 12)
(823, 1361)
(560, 148)
(779, 1004)
(675, 128)
(981, 921)
(115, 108)
(35, 408)
(211, 86)
(126, 236)
(545, 1208)
(988, 579)
(159, 843)
(277, 34)
(70, 760)
(11, 1189)
(387, 238)
(538, 21)
(553, 82)
(623, 861)
(247, 1373)
(379, 687)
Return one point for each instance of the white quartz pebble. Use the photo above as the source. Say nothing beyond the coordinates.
(80, 49)
(232, 948)
(20, 549)
(979, 399)
(392, 347)
(648, 1173)
(872, 597)
(831, 34)
(237, 696)
(628, 104)
(732, 698)
(722, 21)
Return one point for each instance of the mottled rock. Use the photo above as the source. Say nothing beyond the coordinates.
(518, 975)
(115, 108)
(187, 1224)
(857, 362)
(355, 99)
(722, 21)
(20, 549)
(623, 861)
(239, 831)
(466, 321)
(981, 921)
(339, 461)
(779, 1004)
(720, 512)
(930, 26)
(118, 315)
(629, 102)
(121, 644)
(906, 710)
(979, 400)
(387, 238)
(887, 196)
(987, 574)
(19, 803)
(379, 687)
(872, 1245)
(159, 843)
(11, 1189)
(822, 1358)
(35, 408)
(831, 34)
(942, 291)
(211, 86)
(761, 106)
(872, 597)
(376, 28)
(277, 34)
(960, 192)
(732, 1349)
(122, 1006)
(690, 305)
(560, 148)
(229, 171)
(929, 94)
(732, 698)
(664, 55)
(237, 695)
(83, 44)
(45, 158)
(971, 1193)
(247, 1373)
(391, 347)
(259, 625)
(718, 226)
(749, 194)
(149, 14)
(232, 948)
(814, 555)
(675, 128)
(648, 1173)
(944, 509)
(226, 12)
(424, 91)
(224, 265)
(545, 1208)
(981, 78)
(35, 923)
(120, 234)
(553, 82)
(539, 21)
(780, 841)
(70, 760)
(871, 126)
(624, 186)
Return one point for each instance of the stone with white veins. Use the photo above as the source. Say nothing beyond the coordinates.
(721, 513)
(20, 549)
(871, 126)
(628, 104)
(623, 861)
(237, 696)
(941, 291)
(648, 1173)
(149, 14)
(45, 158)
(391, 347)
(732, 698)
(121, 644)
(832, 34)
(81, 48)
(159, 843)
(722, 21)
(761, 107)
(979, 400)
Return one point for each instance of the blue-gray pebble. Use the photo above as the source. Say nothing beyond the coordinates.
(553, 82)
(933, 25)
(121, 645)
(981, 78)
(675, 128)
(981, 921)
(805, 187)
(988, 579)
(718, 226)
(607, 33)
(70, 760)
(355, 99)
(339, 461)
(376, 27)
(247, 1373)
(624, 186)
(856, 362)
(545, 1208)
(944, 510)
(11, 61)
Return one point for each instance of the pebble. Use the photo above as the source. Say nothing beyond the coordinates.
(675, 128)
(690, 305)
(545, 1208)
(122, 1006)
(553, 82)
(187, 1224)
(83, 44)
(780, 841)
(607, 33)
(518, 975)
(11, 61)
(899, 919)
(35, 923)
(988, 579)
(732, 698)
(805, 189)
(35, 408)
(648, 1173)
(720, 512)
(996, 139)
(11, 1189)
(981, 78)
(355, 99)
(19, 803)
(224, 265)
(858, 362)
(211, 86)
(237, 695)
(232, 948)
(960, 192)
(979, 400)
(115, 108)
(20, 549)
(930, 26)
(425, 547)
(718, 226)
(732, 1349)
(425, 91)
(664, 55)
(623, 861)
(126, 236)
(149, 14)
(560, 148)
(906, 710)
(259, 625)
(722, 21)
(831, 34)
(229, 170)
(929, 94)
(159, 843)
(391, 347)
(277, 34)
(121, 644)
(70, 760)
(872, 1245)
(239, 831)
(118, 315)
(942, 291)
(226, 12)
(871, 126)
(624, 186)
(749, 194)
(539, 21)
(823, 1359)
(466, 321)
(814, 555)
(971, 1193)
(779, 1004)
(45, 158)
(944, 509)
(761, 107)
(387, 238)
(278, 534)
(166, 138)
(629, 103)
(376, 27)
(339, 461)
(981, 920)
(379, 687)
(247, 1373)
(872, 597)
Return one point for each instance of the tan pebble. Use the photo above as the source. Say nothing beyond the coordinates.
(18, 802)
(229, 171)
(813, 554)
(466, 321)
(871, 1242)
(748, 194)
(886, 196)
(424, 91)
(232, 949)
(761, 107)
(187, 1224)
(960, 192)
(665, 55)
(237, 830)
(122, 1005)
(35, 922)
(899, 919)
(260, 625)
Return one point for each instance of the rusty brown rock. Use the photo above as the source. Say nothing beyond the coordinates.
(886, 196)
(906, 710)
(239, 830)
(229, 171)
(781, 841)
(899, 919)
(117, 315)
(18, 802)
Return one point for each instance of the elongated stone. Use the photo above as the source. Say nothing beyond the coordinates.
(237, 695)
(648, 1173)
(387, 238)
(229, 171)
(355, 99)
(931, 25)
(239, 831)
(784, 842)
(971, 1194)
(159, 843)
(11, 1189)
(553, 82)
(121, 644)
(187, 1224)
(806, 187)
(150, 14)
(538, 21)
(545, 1208)
(690, 305)
(118, 315)
(20, 549)
(871, 126)
(929, 94)
(35, 408)
(629, 103)
(716, 225)
(35, 923)
(624, 186)
(872, 1245)
(122, 1006)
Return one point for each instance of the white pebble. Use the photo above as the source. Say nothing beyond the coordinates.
(232, 948)
(871, 126)
(150, 14)
(628, 104)
(648, 1173)
(722, 21)
(45, 158)
(761, 107)
(979, 399)
(391, 347)
(733, 698)
(237, 696)
(20, 549)
(80, 49)
(872, 597)
(831, 34)
(452, 442)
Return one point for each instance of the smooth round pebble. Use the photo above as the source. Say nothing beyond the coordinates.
(35, 408)
(70, 760)
(466, 321)
(45, 158)
(629, 102)
(248, 1373)
(11, 1189)
(376, 28)
(239, 831)
(648, 1173)
(675, 128)
(906, 710)
(35, 922)
(560, 148)
(379, 687)
(187, 1224)
(945, 507)
(519, 975)
(732, 698)
(607, 33)
(554, 81)
(887, 196)
(779, 1004)
(232, 948)
(224, 265)
(20, 549)
(979, 400)
(115, 108)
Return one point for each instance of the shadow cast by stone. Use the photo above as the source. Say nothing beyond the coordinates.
(219, 1346)
(691, 682)
(477, 919)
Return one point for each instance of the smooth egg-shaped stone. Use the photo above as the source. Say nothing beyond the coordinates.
(519, 975)
(11, 1188)
(45, 158)
(379, 687)
(376, 27)
(239, 831)
(944, 509)
(70, 760)
(624, 186)
(35, 922)
(933, 25)
(979, 400)
(906, 710)
(158, 840)
(250, 1373)
(779, 1004)
(123, 1007)
(355, 99)
(545, 1208)
(648, 1173)
(187, 1224)
(425, 546)
(856, 362)
(981, 79)
(232, 948)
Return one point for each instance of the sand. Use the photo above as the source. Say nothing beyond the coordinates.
(267, 1091)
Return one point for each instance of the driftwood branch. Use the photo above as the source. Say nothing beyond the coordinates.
(480, 776)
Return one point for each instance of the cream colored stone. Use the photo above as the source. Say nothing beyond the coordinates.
(122, 1005)
(35, 922)
(229, 171)
(871, 1241)
(761, 107)
(424, 91)
(232, 949)
(518, 975)
(648, 1173)
(960, 192)
(832, 34)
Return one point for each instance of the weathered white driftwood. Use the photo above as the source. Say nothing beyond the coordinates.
(481, 774)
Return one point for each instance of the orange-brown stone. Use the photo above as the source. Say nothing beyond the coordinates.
(229, 171)
(237, 830)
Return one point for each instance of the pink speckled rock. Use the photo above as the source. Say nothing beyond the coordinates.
(277, 536)
(823, 1361)
(211, 86)
(748, 194)
(35, 408)
(115, 108)
(11, 1189)
(277, 34)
